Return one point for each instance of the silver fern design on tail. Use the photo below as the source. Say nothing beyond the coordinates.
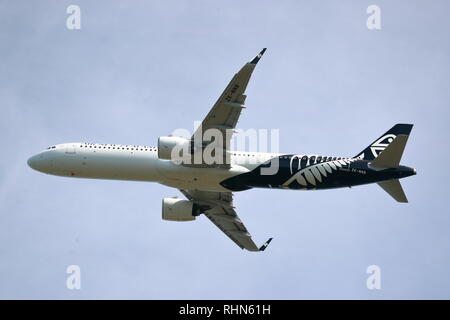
(316, 173)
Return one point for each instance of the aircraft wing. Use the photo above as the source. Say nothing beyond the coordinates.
(218, 207)
(225, 113)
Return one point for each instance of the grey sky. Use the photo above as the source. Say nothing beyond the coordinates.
(136, 72)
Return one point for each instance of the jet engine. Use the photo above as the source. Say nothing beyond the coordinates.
(167, 144)
(174, 209)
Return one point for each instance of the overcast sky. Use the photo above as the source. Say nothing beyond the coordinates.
(137, 70)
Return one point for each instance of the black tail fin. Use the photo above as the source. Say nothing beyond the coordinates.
(376, 147)
(390, 157)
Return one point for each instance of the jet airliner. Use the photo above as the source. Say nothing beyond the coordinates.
(209, 185)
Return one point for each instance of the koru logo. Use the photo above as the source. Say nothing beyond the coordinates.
(381, 144)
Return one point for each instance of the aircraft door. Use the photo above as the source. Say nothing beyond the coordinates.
(70, 148)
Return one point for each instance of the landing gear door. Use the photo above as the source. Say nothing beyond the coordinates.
(70, 148)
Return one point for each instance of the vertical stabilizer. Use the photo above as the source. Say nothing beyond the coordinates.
(376, 147)
(391, 156)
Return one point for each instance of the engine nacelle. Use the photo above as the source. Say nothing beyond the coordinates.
(167, 144)
(174, 209)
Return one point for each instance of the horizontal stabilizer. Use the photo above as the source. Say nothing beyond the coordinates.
(391, 156)
(394, 188)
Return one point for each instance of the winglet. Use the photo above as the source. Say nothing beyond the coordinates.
(264, 246)
(258, 57)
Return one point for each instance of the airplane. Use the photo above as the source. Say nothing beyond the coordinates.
(209, 185)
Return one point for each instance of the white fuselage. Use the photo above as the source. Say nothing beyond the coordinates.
(138, 163)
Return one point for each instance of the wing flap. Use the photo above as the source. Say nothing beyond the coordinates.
(232, 226)
(219, 209)
(225, 113)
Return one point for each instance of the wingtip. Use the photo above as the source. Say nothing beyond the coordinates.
(264, 246)
(258, 57)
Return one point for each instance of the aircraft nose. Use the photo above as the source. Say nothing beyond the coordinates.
(37, 162)
(33, 162)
